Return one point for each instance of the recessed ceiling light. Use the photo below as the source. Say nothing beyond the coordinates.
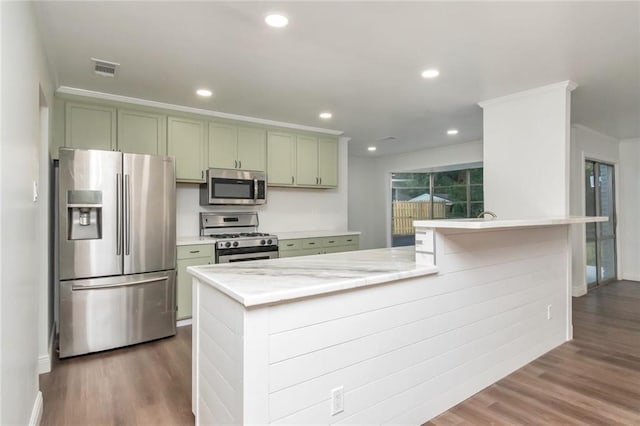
(204, 92)
(452, 131)
(325, 115)
(276, 20)
(430, 73)
(372, 148)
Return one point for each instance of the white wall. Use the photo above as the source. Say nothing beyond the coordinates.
(370, 185)
(629, 210)
(287, 209)
(526, 152)
(24, 71)
(586, 144)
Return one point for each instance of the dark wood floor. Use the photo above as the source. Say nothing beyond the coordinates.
(594, 379)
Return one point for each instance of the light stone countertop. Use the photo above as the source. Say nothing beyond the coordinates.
(312, 234)
(270, 281)
(189, 240)
(505, 223)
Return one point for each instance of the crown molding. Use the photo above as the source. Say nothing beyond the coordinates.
(566, 85)
(154, 104)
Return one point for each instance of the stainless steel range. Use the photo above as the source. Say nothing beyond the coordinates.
(237, 238)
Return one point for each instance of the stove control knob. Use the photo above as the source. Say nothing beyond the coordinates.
(227, 244)
(235, 244)
(262, 242)
(269, 242)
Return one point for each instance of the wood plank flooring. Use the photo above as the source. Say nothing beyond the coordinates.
(594, 379)
(147, 384)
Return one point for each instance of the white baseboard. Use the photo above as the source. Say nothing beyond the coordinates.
(630, 277)
(36, 413)
(44, 361)
(183, 322)
(44, 364)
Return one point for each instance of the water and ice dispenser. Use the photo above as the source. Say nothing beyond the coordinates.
(84, 215)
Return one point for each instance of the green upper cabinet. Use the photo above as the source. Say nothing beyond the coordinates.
(307, 160)
(90, 126)
(142, 132)
(186, 142)
(237, 147)
(223, 146)
(328, 161)
(252, 148)
(281, 159)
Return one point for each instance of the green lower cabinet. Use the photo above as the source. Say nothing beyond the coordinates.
(320, 245)
(194, 255)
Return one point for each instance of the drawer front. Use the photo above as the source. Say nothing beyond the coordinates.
(348, 240)
(196, 250)
(287, 245)
(310, 251)
(312, 243)
(329, 242)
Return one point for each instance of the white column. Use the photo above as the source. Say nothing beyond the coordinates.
(526, 152)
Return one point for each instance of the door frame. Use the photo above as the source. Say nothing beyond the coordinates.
(586, 156)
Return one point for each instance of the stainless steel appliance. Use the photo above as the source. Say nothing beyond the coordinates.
(117, 249)
(236, 237)
(229, 186)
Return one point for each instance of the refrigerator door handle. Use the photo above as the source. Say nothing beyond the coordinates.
(125, 284)
(118, 215)
(127, 216)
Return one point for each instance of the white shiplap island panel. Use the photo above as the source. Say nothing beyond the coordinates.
(405, 348)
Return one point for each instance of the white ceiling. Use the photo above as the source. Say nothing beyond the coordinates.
(361, 61)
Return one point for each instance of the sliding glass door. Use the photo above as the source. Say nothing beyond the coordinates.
(601, 236)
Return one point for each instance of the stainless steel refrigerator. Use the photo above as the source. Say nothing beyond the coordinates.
(117, 249)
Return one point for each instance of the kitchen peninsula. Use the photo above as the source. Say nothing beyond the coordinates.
(373, 336)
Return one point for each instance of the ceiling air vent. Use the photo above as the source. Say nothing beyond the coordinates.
(104, 68)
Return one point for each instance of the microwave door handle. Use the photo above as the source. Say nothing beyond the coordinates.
(255, 190)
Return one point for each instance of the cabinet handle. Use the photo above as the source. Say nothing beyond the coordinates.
(235, 164)
(202, 174)
(311, 244)
(239, 164)
(194, 251)
(349, 241)
(291, 180)
(331, 242)
(289, 245)
(320, 181)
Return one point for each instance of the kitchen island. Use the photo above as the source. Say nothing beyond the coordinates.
(373, 336)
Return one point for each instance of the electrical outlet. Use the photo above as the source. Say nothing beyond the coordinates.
(337, 400)
(549, 312)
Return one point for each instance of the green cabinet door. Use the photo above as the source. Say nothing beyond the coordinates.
(307, 160)
(252, 148)
(328, 161)
(281, 159)
(186, 143)
(184, 284)
(142, 132)
(90, 127)
(223, 142)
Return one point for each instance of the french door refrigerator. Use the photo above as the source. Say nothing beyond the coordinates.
(117, 249)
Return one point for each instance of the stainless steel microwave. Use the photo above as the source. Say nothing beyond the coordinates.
(230, 186)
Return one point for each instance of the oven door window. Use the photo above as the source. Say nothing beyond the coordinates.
(239, 189)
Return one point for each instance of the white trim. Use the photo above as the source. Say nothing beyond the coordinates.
(144, 102)
(630, 277)
(44, 364)
(184, 322)
(567, 84)
(36, 412)
(44, 361)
